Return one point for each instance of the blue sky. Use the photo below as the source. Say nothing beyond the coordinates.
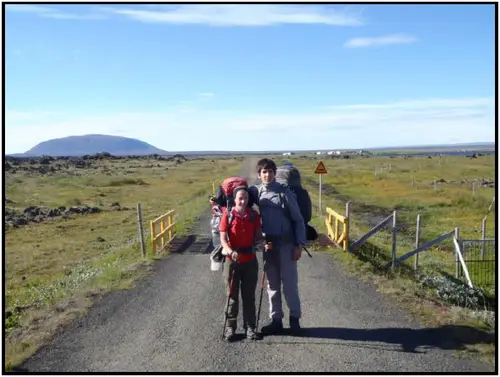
(251, 77)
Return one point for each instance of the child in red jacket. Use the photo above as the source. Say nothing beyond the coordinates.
(240, 228)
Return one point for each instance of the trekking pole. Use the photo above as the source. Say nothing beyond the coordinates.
(228, 298)
(307, 251)
(261, 294)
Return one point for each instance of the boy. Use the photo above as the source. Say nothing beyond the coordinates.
(240, 256)
(285, 230)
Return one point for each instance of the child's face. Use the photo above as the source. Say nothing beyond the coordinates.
(266, 175)
(241, 199)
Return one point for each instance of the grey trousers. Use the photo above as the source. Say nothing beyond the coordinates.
(282, 269)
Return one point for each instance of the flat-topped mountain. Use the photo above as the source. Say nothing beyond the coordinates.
(92, 144)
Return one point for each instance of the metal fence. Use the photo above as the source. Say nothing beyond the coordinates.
(479, 256)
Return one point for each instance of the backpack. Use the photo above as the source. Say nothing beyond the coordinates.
(224, 193)
(289, 177)
(223, 198)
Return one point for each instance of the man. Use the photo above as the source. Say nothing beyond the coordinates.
(284, 229)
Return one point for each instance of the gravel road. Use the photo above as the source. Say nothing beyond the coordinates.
(172, 322)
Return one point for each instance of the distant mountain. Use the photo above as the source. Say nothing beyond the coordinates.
(92, 144)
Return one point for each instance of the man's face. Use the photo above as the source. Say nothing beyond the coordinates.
(266, 175)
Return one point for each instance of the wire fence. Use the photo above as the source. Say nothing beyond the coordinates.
(479, 256)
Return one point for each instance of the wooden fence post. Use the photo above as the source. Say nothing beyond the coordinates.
(162, 229)
(141, 235)
(417, 242)
(169, 228)
(347, 226)
(153, 234)
(393, 239)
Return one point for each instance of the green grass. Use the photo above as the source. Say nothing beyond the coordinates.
(63, 261)
(376, 196)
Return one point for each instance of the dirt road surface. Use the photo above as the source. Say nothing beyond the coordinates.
(172, 322)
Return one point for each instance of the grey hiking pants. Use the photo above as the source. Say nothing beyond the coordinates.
(282, 269)
(245, 276)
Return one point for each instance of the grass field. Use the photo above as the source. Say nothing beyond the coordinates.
(378, 186)
(53, 268)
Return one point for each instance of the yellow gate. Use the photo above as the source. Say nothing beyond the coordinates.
(342, 239)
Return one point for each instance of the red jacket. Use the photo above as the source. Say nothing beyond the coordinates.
(242, 232)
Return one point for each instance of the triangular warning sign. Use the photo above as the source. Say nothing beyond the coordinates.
(320, 169)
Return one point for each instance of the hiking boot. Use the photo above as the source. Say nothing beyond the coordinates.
(294, 325)
(274, 327)
(251, 334)
(229, 335)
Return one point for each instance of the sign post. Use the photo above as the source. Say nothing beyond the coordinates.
(320, 169)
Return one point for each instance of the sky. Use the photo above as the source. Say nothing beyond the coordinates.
(251, 76)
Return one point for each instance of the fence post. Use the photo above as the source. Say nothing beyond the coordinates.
(169, 227)
(473, 188)
(417, 242)
(393, 239)
(141, 235)
(346, 225)
(153, 241)
(483, 237)
(457, 260)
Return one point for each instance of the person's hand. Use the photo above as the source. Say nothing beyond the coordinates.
(268, 246)
(234, 256)
(297, 253)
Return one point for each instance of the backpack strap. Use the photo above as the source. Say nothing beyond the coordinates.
(284, 200)
(260, 188)
(230, 217)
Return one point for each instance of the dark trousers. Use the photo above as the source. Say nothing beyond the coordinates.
(245, 276)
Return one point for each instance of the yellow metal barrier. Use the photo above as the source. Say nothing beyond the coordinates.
(333, 234)
(164, 229)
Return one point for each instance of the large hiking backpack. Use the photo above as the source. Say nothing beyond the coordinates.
(289, 177)
(224, 193)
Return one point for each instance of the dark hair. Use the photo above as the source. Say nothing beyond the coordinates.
(266, 163)
(239, 188)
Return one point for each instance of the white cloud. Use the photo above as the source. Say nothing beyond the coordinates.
(205, 14)
(51, 12)
(379, 41)
(27, 8)
(185, 127)
(206, 94)
(243, 15)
